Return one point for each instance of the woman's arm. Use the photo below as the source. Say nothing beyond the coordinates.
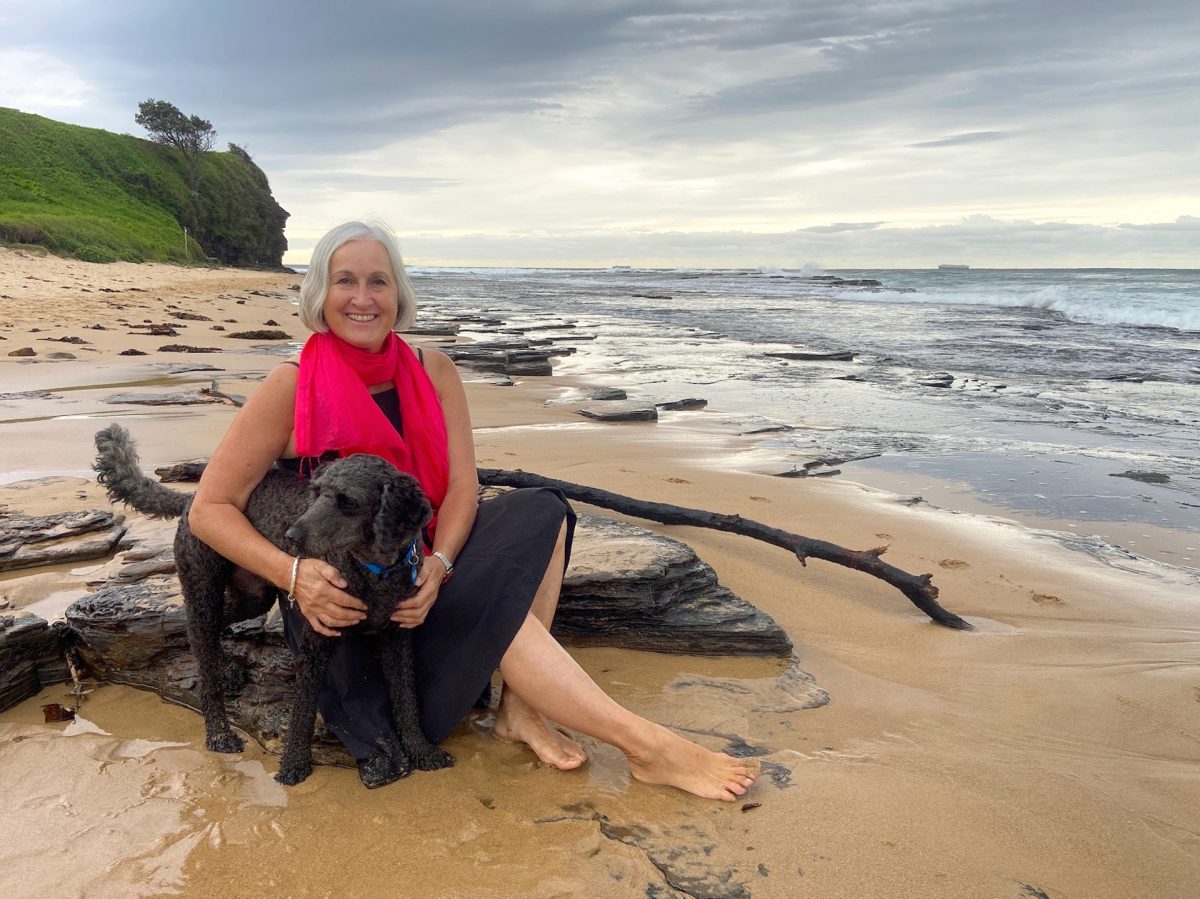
(457, 513)
(257, 437)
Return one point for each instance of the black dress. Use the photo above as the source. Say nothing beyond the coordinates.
(468, 629)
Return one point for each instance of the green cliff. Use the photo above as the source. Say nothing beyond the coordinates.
(103, 196)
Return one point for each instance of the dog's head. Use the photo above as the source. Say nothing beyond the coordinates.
(363, 505)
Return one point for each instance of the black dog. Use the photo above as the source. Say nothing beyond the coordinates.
(361, 515)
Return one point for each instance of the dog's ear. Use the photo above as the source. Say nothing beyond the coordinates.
(403, 511)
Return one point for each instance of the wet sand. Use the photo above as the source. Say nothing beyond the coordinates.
(1054, 751)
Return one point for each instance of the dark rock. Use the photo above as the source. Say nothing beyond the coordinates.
(160, 399)
(190, 316)
(1146, 477)
(813, 355)
(24, 351)
(155, 331)
(180, 368)
(137, 634)
(181, 472)
(941, 379)
(217, 328)
(27, 541)
(271, 323)
(77, 341)
(61, 356)
(261, 334)
(30, 395)
(607, 394)
(131, 353)
(513, 358)
(770, 429)
(620, 412)
(31, 657)
(435, 329)
(687, 405)
(630, 587)
(184, 348)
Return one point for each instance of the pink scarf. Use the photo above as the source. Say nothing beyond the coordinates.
(335, 411)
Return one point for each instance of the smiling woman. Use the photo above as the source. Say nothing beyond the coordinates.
(360, 388)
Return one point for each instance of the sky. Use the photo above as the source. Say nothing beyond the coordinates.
(696, 133)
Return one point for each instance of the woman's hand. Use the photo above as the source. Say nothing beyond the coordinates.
(412, 611)
(320, 593)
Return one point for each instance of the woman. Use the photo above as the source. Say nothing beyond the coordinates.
(489, 585)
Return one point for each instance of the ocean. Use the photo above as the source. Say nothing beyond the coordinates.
(1033, 393)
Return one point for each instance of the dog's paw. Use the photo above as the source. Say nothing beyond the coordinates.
(292, 773)
(227, 742)
(433, 759)
(381, 770)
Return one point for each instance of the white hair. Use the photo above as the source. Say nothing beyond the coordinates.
(315, 287)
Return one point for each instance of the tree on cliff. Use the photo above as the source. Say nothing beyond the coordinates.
(190, 135)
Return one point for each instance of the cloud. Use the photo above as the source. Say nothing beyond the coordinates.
(39, 82)
(839, 227)
(970, 137)
(674, 116)
(1183, 223)
(979, 241)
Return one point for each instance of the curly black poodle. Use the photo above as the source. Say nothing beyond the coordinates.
(361, 515)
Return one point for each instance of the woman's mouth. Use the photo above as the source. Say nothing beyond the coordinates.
(361, 317)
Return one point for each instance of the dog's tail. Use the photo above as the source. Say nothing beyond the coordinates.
(120, 471)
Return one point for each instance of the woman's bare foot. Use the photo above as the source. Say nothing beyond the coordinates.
(669, 759)
(516, 722)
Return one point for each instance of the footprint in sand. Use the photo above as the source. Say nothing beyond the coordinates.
(953, 563)
(1046, 599)
(678, 480)
(885, 536)
(759, 499)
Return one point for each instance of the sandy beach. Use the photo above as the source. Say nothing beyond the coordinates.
(1052, 752)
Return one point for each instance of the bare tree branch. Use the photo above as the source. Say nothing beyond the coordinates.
(918, 588)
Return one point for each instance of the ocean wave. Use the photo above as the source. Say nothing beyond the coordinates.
(1136, 311)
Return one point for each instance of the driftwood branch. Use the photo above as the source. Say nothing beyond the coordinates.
(918, 588)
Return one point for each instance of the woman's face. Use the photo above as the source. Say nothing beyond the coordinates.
(363, 298)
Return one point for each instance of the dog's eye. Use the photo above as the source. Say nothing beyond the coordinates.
(346, 503)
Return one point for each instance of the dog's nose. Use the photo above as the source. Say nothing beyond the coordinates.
(296, 534)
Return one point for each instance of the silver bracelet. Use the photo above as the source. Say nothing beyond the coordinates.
(442, 557)
(291, 597)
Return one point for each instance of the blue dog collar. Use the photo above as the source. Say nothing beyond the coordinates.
(412, 559)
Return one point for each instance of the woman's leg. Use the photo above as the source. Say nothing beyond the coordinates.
(516, 720)
(551, 683)
(542, 681)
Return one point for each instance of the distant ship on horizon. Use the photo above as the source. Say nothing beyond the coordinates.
(954, 268)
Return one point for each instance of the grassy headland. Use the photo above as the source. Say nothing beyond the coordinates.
(101, 197)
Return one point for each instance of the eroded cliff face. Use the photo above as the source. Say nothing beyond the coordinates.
(104, 197)
(240, 223)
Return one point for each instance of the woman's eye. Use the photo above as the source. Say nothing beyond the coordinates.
(344, 281)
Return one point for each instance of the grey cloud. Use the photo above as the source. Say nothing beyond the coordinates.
(970, 137)
(839, 227)
(980, 241)
(355, 182)
(1183, 223)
